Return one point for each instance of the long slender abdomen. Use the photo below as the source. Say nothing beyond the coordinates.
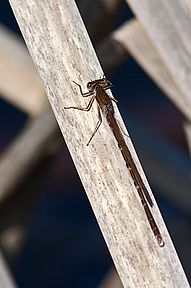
(138, 182)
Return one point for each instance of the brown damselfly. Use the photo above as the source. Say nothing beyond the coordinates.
(96, 89)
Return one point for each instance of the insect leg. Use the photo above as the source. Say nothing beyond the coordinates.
(84, 94)
(83, 108)
(97, 125)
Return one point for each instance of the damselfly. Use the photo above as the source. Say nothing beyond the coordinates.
(96, 89)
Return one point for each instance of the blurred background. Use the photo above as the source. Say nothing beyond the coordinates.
(48, 233)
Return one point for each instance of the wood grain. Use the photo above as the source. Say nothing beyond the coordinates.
(167, 24)
(62, 52)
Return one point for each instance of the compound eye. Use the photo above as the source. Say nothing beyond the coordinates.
(89, 85)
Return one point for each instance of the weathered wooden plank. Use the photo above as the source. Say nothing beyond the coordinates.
(62, 52)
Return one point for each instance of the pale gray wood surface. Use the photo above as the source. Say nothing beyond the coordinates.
(62, 52)
(168, 25)
(19, 82)
(133, 37)
(135, 40)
